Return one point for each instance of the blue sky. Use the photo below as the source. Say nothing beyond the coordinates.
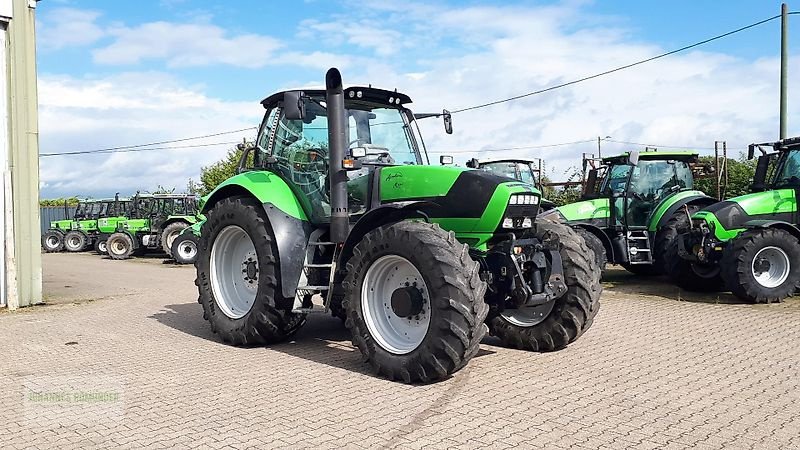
(121, 73)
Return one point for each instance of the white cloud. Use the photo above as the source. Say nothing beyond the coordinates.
(185, 45)
(68, 27)
(130, 108)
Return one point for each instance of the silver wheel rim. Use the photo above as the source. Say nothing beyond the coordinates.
(187, 249)
(395, 334)
(234, 272)
(74, 242)
(527, 316)
(117, 247)
(102, 247)
(771, 267)
(52, 242)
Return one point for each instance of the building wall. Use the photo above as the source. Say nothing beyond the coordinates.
(5, 11)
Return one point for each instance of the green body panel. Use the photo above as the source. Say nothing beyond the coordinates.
(189, 219)
(778, 201)
(195, 228)
(267, 187)
(587, 210)
(404, 183)
(109, 225)
(136, 225)
(668, 203)
(62, 225)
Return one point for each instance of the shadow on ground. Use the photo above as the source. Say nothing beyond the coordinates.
(619, 280)
(323, 339)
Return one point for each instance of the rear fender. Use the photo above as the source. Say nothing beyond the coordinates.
(779, 224)
(610, 253)
(672, 205)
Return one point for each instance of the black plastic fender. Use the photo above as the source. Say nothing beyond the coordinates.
(610, 253)
(786, 226)
(291, 238)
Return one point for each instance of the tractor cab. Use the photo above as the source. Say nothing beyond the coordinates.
(524, 170)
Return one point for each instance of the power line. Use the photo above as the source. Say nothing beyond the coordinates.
(134, 150)
(128, 147)
(627, 66)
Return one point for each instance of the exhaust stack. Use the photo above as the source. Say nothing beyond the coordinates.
(337, 145)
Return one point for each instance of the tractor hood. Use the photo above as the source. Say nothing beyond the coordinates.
(460, 199)
(729, 217)
(588, 211)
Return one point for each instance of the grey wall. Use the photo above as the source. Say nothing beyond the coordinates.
(48, 214)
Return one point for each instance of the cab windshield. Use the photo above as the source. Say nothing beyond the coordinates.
(517, 170)
(789, 174)
(617, 179)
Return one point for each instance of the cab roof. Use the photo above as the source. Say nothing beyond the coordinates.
(367, 94)
(680, 155)
(505, 160)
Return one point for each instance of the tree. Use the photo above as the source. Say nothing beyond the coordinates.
(740, 177)
(71, 201)
(211, 176)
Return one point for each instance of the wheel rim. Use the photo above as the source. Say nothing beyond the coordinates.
(187, 250)
(771, 267)
(527, 316)
(234, 271)
(51, 241)
(117, 247)
(74, 241)
(388, 279)
(102, 246)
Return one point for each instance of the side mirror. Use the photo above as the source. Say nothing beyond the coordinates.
(448, 121)
(473, 163)
(445, 160)
(760, 177)
(751, 151)
(293, 106)
(358, 152)
(633, 158)
(590, 188)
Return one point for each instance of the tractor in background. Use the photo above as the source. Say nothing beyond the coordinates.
(83, 230)
(749, 245)
(524, 170)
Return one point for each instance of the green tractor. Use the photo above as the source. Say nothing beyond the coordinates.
(82, 230)
(749, 244)
(335, 210)
(633, 205)
(156, 220)
(184, 247)
(519, 169)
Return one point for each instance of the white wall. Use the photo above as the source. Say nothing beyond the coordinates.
(3, 149)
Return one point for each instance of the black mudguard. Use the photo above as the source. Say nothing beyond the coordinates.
(291, 238)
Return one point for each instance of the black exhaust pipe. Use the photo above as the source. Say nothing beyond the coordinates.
(337, 150)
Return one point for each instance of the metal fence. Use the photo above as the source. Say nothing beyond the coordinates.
(48, 214)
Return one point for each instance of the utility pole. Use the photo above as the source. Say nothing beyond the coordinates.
(784, 68)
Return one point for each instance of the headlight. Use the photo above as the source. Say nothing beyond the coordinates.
(523, 199)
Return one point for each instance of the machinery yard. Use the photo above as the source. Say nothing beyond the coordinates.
(659, 368)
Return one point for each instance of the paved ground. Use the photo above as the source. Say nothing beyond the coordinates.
(139, 367)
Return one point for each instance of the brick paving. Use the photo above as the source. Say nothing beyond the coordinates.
(659, 369)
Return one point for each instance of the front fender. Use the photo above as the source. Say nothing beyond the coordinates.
(786, 226)
(266, 187)
(670, 205)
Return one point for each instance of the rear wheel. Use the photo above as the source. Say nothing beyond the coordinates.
(184, 248)
(689, 275)
(119, 246)
(74, 241)
(238, 278)
(414, 301)
(554, 325)
(100, 246)
(597, 247)
(762, 266)
(169, 234)
(53, 241)
(667, 234)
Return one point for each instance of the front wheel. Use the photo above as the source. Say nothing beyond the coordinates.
(691, 276)
(555, 324)
(100, 246)
(52, 241)
(762, 266)
(74, 241)
(184, 248)
(413, 298)
(238, 278)
(119, 246)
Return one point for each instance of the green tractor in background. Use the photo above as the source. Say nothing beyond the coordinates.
(634, 204)
(749, 244)
(336, 209)
(83, 230)
(519, 169)
(156, 220)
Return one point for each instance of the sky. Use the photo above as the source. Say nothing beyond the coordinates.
(116, 73)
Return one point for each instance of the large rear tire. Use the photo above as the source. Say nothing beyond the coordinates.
(119, 246)
(169, 234)
(691, 276)
(762, 265)
(74, 241)
(597, 247)
(238, 278)
(565, 319)
(184, 248)
(53, 241)
(414, 301)
(667, 234)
